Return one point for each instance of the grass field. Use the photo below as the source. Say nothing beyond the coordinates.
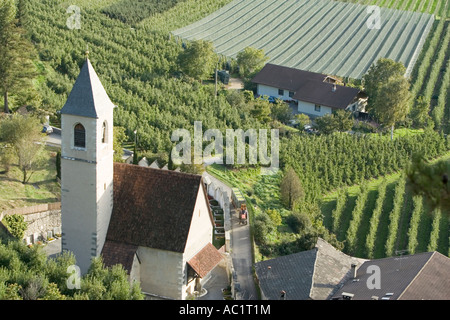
(42, 187)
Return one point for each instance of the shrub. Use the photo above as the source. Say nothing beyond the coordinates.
(274, 216)
(262, 227)
(16, 225)
(299, 222)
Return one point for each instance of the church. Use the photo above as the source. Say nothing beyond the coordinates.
(156, 223)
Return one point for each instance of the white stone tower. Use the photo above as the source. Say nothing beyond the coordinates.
(86, 167)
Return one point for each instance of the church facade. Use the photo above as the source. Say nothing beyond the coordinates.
(156, 223)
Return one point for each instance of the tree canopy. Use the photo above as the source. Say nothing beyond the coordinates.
(198, 59)
(291, 188)
(250, 60)
(28, 274)
(388, 91)
(16, 53)
(21, 136)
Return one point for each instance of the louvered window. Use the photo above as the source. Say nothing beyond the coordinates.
(79, 136)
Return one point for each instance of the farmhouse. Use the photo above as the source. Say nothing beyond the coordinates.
(156, 223)
(312, 93)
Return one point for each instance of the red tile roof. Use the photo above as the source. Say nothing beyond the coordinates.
(118, 253)
(152, 207)
(205, 260)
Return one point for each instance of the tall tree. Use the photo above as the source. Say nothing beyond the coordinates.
(250, 60)
(16, 53)
(431, 181)
(339, 120)
(419, 112)
(198, 59)
(22, 136)
(291, 188)
(388, 92)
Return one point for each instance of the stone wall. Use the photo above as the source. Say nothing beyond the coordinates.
(43, 225)
(44, 221)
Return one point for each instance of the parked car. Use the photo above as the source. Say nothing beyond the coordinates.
(271, 99)
(47, 129)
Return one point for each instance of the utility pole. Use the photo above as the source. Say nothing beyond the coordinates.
(217, 66)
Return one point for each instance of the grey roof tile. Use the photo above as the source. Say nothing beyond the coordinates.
(87, 95)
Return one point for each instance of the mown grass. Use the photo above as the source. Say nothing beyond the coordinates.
(42, 187)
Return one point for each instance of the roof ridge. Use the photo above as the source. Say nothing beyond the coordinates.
(417, 275)
(161, 171)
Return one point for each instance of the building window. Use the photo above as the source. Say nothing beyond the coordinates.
(280, 92)
(79, 136)
(104, 132)
(317, 108)
(291, 94)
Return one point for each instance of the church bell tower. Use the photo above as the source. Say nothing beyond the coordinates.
(86, 167)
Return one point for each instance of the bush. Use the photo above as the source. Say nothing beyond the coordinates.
(16, 225)
(262, 227)
(274, 216)
(299, 222)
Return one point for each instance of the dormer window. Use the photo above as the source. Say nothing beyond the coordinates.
(79, 136)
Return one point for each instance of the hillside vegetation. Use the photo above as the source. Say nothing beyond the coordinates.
(135, 57)
(137, 68)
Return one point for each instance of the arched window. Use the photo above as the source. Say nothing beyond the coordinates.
(104, 133)
(79, 136)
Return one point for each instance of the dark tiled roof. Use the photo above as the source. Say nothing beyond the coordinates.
(433, 281)
(420, 276)
(152, 207)
(118, 253)
(307, 86)
(286, 78)
(313, 274)
(87, 94)
(332, 268)
(205, 260)
(292, 274)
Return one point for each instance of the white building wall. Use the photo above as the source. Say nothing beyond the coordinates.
(200, 234)
(309, 108)
(201, 230)
(271, 91)
(161, 272)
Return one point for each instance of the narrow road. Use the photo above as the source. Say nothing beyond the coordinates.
(241, 249)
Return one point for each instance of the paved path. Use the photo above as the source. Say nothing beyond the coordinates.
(241, 250)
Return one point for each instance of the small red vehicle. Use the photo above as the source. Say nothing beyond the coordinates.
(243, 213)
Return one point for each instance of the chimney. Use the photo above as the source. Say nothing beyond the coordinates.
(353, 268)
(334, 88)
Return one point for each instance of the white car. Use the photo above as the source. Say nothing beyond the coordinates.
(47, 129)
